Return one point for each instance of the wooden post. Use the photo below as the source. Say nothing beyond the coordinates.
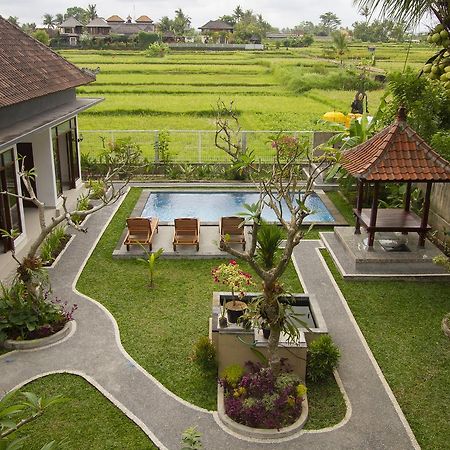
(408, 196)
(359, 203)
(426, 211)
(373, 214)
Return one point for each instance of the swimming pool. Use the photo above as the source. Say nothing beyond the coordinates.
(211, 206)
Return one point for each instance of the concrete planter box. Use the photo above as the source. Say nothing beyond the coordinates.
(260, 433)
(234, 343)
(10, 344)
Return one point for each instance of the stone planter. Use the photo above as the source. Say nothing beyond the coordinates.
(260, 433)
(11, 344)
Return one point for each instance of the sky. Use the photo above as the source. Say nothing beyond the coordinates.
(279, 13)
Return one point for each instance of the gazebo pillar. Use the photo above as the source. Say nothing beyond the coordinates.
(359, 203)
(408, 196)
(426, 212)
(373, 214)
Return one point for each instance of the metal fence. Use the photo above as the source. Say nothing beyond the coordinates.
(186, 146)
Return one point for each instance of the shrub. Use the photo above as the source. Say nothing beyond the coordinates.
(83, 204)
(258, 398)
(157, 50)
(191, 439)
(96, 189)
(441, 143)
(145, 39)
(205, 354)
(323, 357)
(231, 375)
(53, 244)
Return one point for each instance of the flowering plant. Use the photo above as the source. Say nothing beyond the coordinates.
(233, 277)
(261, 399)
(287, 147)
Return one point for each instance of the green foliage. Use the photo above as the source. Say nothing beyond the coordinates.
(205, 354)
(379, 31)
(157, 50)
(52, 244)
(83, 204)
(22, 314)
(323, 357)
(97, 189)
(152, 257)
(191, 439)
(41, 36)
(162, 147)
(232, 374)
(269, 239)
(144, 39)
(426, 102)
(440, 142)
(15, 416)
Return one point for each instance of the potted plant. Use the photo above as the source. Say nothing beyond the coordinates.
(236, 280)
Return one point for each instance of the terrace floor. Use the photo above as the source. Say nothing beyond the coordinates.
(93, 350)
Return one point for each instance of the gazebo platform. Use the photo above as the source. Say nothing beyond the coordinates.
(386, 259)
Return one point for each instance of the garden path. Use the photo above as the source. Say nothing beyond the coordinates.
(94, 351)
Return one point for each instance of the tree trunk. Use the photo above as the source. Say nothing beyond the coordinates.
(271, 311)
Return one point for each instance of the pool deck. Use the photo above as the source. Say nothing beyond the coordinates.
(209, 231)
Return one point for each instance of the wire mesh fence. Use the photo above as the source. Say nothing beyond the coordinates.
(186, 146)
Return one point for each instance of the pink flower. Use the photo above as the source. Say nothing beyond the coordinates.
(233, 262)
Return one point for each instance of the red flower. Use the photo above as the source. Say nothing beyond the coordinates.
(233, 262)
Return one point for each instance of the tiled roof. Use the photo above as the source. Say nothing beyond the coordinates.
(397, 153)
(30, 69)
(144, 19)
(98, 22)
(71, 22)
(115, 18)
(216, 25)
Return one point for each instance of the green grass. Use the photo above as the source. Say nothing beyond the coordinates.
(88, 420)
(171, 317)
(159, 327)
(401, 322)
(342, 205)
(325, 403)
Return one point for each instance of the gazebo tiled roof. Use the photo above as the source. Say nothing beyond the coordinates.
(397, 153)
(30, 69)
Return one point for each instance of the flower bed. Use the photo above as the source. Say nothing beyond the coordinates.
(257, 398)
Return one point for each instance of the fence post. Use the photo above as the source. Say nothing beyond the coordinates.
(244, 141)
(156, 147)
(199, 146)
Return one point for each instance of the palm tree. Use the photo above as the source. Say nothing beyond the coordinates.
(59, 19)
(410, 11)
(48, 21)
(340, 44)
(91, 12)
(238, 13)
(365, 12)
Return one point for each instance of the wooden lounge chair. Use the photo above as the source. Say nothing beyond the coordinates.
(232, 231)
(141, 231)
(186, 232)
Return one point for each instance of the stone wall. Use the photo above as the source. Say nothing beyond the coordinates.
(440, 210)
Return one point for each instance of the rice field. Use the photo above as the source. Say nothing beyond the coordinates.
(271, 90)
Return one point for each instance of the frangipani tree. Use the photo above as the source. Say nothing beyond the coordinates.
(284, 189)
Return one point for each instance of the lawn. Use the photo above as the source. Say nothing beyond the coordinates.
(172, 316)
(401, 323)
(87, 420)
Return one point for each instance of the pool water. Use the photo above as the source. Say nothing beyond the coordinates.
(211, 206)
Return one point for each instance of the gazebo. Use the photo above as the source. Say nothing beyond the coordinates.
(396, 154)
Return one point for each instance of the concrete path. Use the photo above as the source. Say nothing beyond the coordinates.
(94, 352)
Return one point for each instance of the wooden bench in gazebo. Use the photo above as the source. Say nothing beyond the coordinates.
(396, 154)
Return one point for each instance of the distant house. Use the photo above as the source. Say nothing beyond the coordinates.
(70, 31)
(129, 28)
(98, 27)
(216, 26)
(38, 121)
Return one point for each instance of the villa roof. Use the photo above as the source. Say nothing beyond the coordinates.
(98, 22)
(115, 18)
(396, 153)
(130, 28)
(144, 19)
(30, 69)
(216, 25)
(71, 22)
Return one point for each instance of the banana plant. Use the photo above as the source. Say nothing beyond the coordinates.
(151, 258)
